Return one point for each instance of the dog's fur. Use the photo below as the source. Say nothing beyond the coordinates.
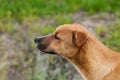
(92, 59)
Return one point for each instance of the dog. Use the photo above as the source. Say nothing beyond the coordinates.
(92, 59)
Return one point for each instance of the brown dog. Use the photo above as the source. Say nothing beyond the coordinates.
(91, 58)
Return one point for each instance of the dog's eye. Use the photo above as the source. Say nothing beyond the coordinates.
(56, 37)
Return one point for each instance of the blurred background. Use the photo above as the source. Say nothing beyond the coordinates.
(23, 20)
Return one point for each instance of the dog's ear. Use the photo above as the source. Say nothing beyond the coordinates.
(79, 38)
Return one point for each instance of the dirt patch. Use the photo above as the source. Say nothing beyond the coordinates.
(12, 59)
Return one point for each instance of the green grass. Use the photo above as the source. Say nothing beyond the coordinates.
(47, 30)
(8, 27)
(62, 19)
(100, 5)
(56, 75)
(21, 8)
(110, 36)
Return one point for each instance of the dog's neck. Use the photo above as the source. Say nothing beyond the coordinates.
(92, 60)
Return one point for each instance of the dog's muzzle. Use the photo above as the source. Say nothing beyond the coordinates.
(41, 46)
(38, 42)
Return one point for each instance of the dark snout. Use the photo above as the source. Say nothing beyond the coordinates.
(42, 44)
(37, 40)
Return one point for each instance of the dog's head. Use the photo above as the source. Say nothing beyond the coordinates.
(65, 41)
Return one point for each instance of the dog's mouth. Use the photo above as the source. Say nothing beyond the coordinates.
(43, 47)
(49, 52)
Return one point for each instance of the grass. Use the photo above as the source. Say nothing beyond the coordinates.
(110, 35)
(41, 76)
(8, 27)
(47, 30)
(64, 20)
(18, 9)
(100, 5)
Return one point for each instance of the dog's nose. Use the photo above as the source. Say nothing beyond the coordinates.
(36, 40)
